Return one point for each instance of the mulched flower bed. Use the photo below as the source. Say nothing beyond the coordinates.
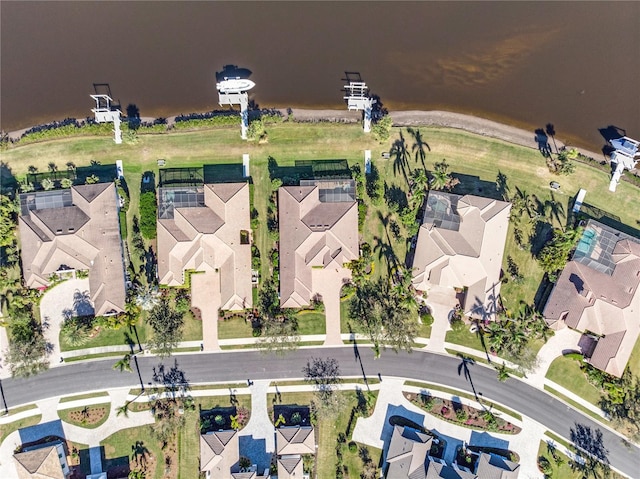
(292, 414)
(88, 415)
(460, 414)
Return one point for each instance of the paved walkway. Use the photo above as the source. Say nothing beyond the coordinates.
(52, 305)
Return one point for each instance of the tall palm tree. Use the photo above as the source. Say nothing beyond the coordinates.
(123, 410)
(419, 145)
(124, 364)
(551, 131)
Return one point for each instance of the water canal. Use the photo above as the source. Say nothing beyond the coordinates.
(574, 64)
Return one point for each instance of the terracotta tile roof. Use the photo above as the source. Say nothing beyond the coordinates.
(605, 352)
(597, 292)
(81, 232)
(313, 234)
(206, 237)
(461, 244)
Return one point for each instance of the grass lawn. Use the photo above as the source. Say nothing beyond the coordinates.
(563, 470)
(634, 360)
(327, 434)
(8, 428)
(473, 159)
(118, 447)
(464, 337)
(234, 328)
(566, 372)
(311, 322)
(84, 396)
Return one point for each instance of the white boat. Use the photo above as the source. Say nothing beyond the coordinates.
(234, 85)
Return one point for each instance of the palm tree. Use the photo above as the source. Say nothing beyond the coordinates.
(124, 364)
(419, 187)
(418, 146)
(52, 167)
(32, 169)
(503, 372)
(439, 180)
(147, 297)
(123, 410)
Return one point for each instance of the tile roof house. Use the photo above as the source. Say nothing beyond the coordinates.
(490, 466)
(76, 228)
(460, 245)
(291, 443)
(597, 293)
(219, 454)
(318, 232)
(207, 229)
(438, 470)
(407, 454)
(49, 462)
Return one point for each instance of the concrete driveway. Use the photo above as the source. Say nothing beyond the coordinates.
(328, 283)
(53, 305)
(205, 295)
(442, 301)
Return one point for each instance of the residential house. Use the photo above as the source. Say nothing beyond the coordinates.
(75, 229)
(318, 236)
(48, 462)
(460, 245)
(407, 454)
(207, 229)
(219, 454)
(490, 466)
(407, 457)
(597, 294)
(292, 442)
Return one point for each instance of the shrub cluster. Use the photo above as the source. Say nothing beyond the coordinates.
(148, 212)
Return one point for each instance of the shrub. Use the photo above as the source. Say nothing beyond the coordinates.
(381, 130)
(353, 447)
(296, 418)
(148, 212)
(219, 420)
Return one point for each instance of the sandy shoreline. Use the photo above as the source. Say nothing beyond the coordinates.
(416, 118)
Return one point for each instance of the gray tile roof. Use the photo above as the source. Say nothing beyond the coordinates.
(491, 466)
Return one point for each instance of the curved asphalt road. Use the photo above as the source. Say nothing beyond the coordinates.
(234, 366)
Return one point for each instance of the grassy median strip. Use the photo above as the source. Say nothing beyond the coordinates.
(89, 417)
(84, 396)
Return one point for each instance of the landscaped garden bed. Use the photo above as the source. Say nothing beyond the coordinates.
(87, 416)
(461, 414)
(223, 418)
(291, 415)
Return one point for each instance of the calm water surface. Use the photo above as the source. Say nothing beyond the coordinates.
(574, 64)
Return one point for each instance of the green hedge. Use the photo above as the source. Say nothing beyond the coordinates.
(148, 212)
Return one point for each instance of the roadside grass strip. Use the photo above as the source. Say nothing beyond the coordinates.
(598, 417)
(98, 394)
(8, 428)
